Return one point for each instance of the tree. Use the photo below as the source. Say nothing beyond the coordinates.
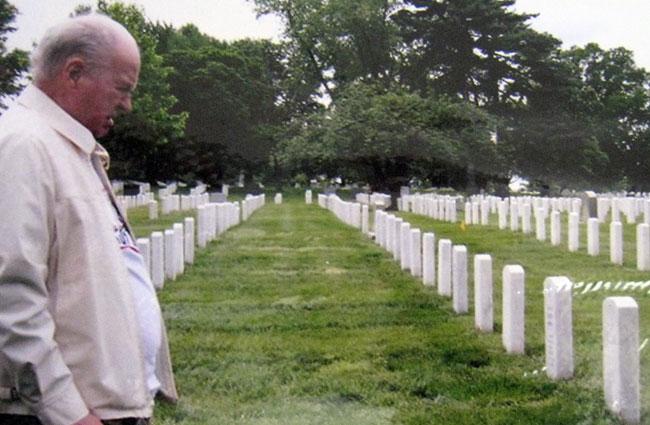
(615, 94)
(13, 64)
(479, 50)
(236, 99)
(586, 125)
(387, 137)
(337, 42)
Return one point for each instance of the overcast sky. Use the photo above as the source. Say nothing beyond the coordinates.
(610, 23)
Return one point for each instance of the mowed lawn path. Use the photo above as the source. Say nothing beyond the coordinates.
(295, 318)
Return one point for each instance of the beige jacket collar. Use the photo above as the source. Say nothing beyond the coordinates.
(33, 98)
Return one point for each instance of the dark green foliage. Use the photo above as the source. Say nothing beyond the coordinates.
(13, 64)
(387, 137)
(234, 95)
(339, 42)
(480, 50)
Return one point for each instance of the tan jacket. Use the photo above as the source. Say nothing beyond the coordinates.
(68, 330)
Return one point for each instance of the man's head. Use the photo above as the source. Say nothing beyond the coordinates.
(89, 66)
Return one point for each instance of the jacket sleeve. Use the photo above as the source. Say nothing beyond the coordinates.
(29, 354)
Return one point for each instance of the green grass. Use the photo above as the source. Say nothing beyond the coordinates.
(295, 318)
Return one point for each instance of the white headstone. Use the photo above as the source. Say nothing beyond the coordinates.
(574, 231)
(616, 242)
(416, 252)
(179, 248)
(540, 224)
(556, 228)
(157, 260)
(593, 236)
(153, 210)
(476, 213)
(308, 196)
(429, 259)
(278, 198)
(485, 212)
(210, 221)
(444, 267)
(201, 231)
(388, 222)
(188, 239)
(170, 255)
(526, 219)
(643, 247)
(558, 319)
(378, 232)
(459, 279)
(145, 250)
(405, 246)
(397, 240)
(621, 358)
(514, 215)
(602, 208)
(514, 305)
(364, 220)
(483, 303)
(503, 215)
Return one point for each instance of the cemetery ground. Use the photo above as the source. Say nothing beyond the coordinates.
(295, 318)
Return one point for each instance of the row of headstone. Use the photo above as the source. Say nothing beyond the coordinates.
(591, 206)
(630, 207)
(134, 201)
(201, 188)
(166, 253)
(416, 252)
(374, 200)
(168, 189)
(250, 204)
(351, 213)
(172, 203)
(521, 213)
(621, 362)
(438, 207)
(214, 219)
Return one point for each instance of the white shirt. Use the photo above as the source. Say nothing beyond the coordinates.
(145, 299)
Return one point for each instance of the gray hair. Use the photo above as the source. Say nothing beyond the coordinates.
(87, 36)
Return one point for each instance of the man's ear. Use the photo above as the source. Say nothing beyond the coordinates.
(73, 69)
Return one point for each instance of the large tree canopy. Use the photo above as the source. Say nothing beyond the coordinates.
(337, 42)
(480, 50)
(588, 124)
(386, 137)
(235, 96)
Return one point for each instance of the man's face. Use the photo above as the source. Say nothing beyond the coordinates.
(106, 92)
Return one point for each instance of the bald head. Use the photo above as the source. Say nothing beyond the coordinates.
(90, 37)
(89, 66)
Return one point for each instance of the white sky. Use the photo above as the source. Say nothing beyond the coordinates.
(610, 23)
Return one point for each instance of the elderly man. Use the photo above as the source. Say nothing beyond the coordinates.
(81, 335)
